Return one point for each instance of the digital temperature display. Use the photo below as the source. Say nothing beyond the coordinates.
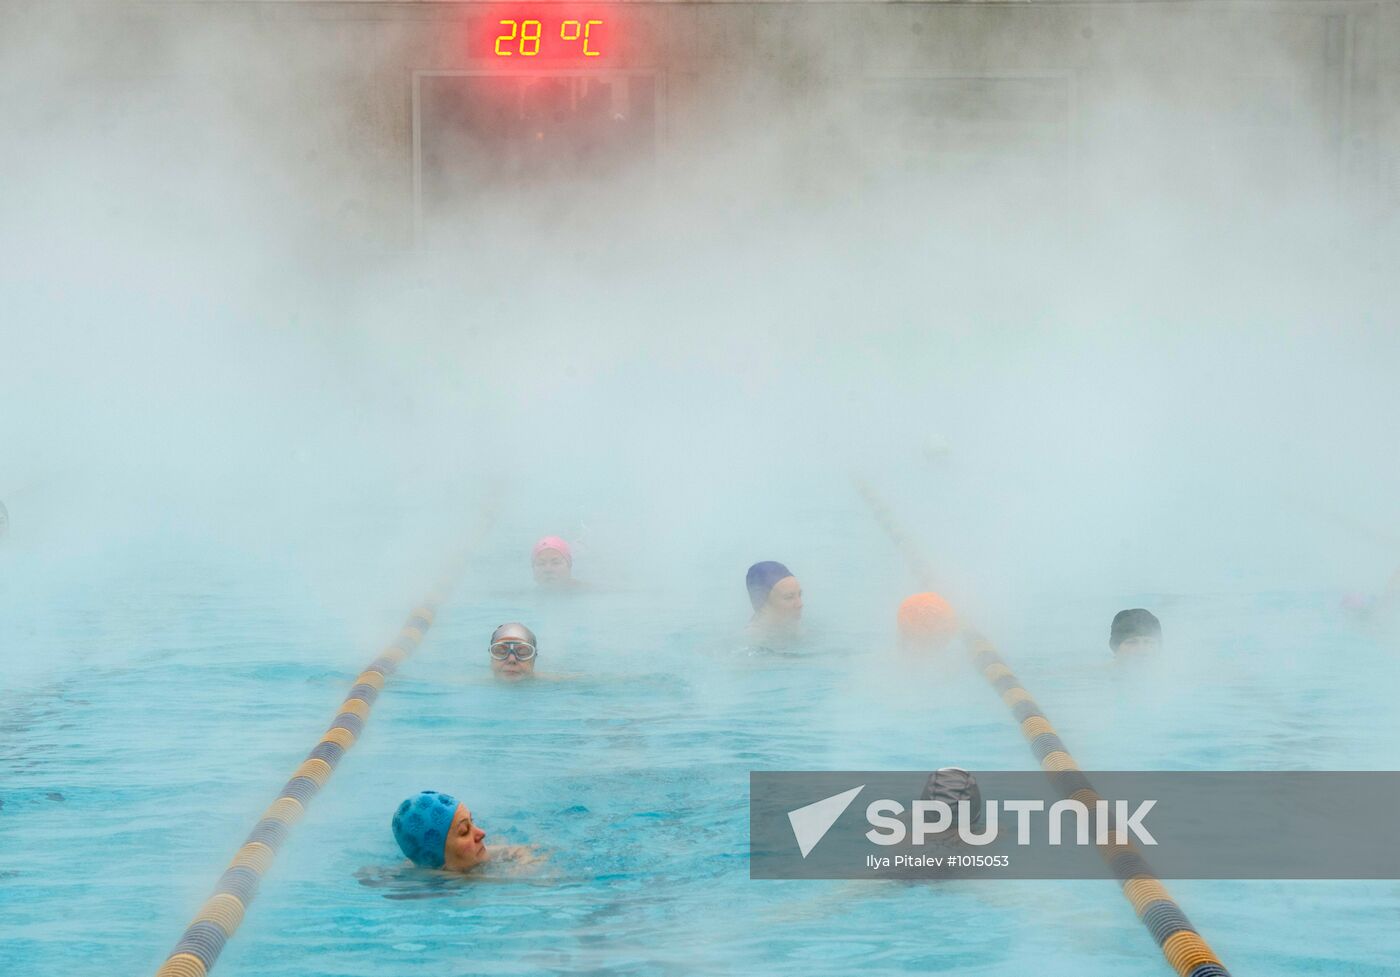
(530, 35)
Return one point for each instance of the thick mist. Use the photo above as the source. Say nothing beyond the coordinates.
(1162, 379)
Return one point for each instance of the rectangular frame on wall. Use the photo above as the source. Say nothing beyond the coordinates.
(418, 76)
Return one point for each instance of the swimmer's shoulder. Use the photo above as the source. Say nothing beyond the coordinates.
(515, 862)
(518, 854)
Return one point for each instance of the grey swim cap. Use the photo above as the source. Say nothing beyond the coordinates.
(514, 632)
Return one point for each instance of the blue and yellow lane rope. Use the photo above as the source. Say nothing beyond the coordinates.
(1185, 950)
(203, 940)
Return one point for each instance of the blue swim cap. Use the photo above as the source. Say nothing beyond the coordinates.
(761, 578)
(421, 824)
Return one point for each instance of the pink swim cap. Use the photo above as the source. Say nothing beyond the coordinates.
(556, 544)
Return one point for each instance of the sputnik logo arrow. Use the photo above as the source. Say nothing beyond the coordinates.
(811, 823)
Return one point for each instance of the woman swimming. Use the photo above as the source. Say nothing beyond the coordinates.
(513, 652)
(437, 831)
(1134, 633)
(552, 562)
(776, 597)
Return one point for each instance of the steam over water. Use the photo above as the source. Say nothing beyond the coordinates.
(251, 408)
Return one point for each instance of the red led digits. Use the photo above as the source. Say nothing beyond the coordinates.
(506, 38)
(529, 38)
(572, 30)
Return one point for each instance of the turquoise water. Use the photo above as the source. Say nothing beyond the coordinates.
(174, 707)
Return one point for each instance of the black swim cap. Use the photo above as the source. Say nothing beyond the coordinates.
(1136, 622)
(953, 784)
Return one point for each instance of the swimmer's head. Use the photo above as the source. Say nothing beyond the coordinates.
(952, 785)
(513, 652)
(774, 592)
(1135, 631)
(552, 562)
(926, 622)
(436, 831)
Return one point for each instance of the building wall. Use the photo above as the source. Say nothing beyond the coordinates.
(1304, 93)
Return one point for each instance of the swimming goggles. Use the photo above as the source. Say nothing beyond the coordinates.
(523, 651)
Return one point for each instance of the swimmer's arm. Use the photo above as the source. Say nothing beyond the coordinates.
(517, 855)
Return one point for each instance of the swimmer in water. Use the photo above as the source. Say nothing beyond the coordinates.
(952, 786)
(926, 623)
(437, 831)
(513, 652)
(553, 564)
(776, 597)
(1135, 633)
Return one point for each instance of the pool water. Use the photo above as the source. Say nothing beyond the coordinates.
(132, 768)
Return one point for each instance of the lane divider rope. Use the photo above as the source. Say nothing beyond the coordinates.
(203, 940)
(1184, 949)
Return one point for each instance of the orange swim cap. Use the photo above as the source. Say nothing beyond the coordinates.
(927, 619)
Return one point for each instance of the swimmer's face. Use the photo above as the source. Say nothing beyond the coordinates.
(511, 668)
(1138, 645)
(785, 600)
(465, 849)
(551, 568)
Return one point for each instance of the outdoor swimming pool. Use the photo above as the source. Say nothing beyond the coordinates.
(130, 775)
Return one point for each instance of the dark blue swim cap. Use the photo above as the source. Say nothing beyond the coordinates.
(761, 578)
(421, 824)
